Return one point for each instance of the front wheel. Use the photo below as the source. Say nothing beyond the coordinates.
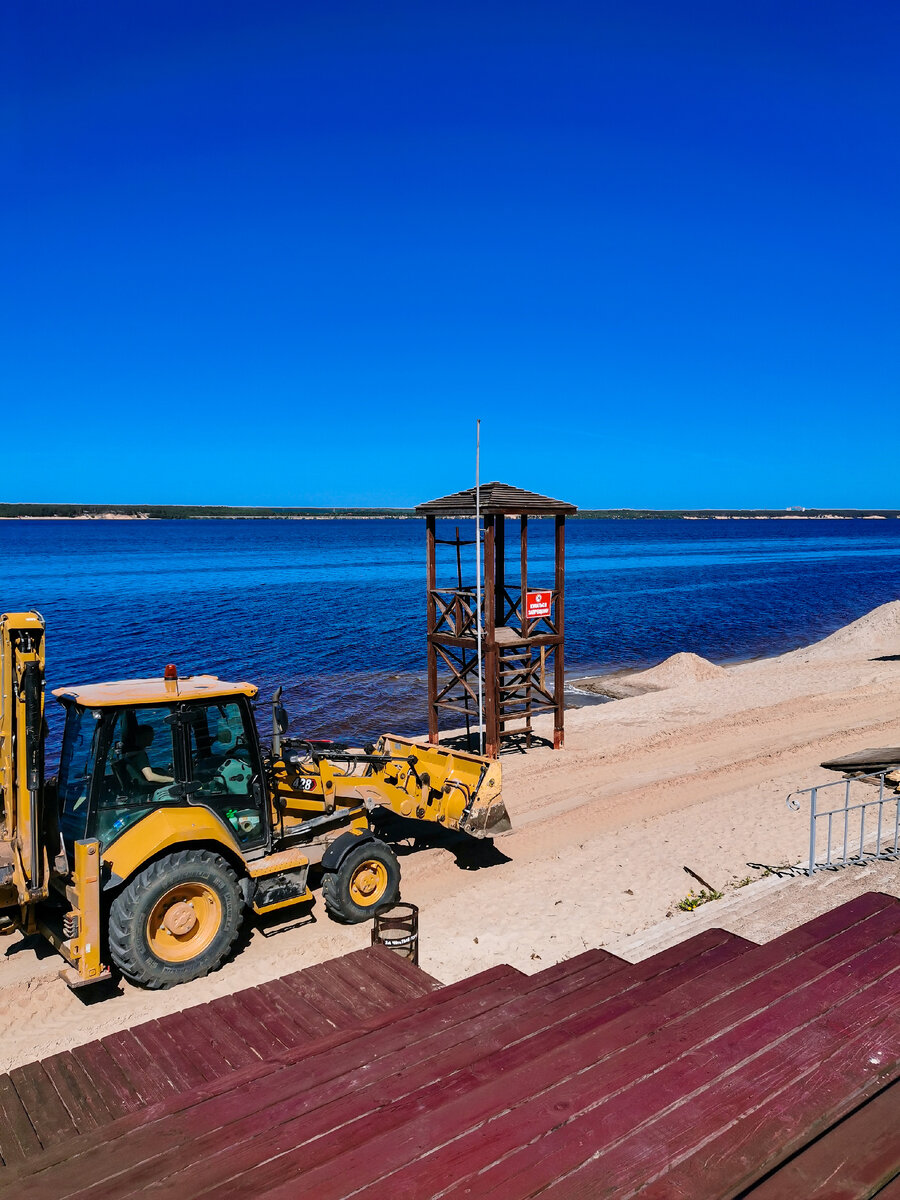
(367, 877)
(176, 920)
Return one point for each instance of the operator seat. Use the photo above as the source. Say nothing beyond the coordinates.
(225, 738)
(128, 767)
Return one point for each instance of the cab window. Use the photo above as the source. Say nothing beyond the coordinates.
(76, 768)
(221, 758)
(141, 762)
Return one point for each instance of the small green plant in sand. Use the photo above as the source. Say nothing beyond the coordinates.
(694, 899)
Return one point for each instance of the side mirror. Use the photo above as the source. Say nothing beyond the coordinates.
(280, 723)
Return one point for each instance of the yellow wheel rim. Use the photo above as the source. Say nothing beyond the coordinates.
(184, 922)
(368, 883)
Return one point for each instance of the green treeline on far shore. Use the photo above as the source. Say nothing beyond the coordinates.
(178, 512)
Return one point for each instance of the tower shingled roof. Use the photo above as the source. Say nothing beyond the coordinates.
(495, 498)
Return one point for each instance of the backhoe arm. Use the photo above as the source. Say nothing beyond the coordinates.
(23, 858)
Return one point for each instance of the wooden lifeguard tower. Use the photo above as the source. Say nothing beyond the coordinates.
(523, 623)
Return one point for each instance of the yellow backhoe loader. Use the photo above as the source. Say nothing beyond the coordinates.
(168, 822)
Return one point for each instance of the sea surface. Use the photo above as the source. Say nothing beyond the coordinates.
(335, 610)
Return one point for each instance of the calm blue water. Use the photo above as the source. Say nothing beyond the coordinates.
(335, 610)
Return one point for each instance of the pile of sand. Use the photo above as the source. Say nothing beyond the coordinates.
(678, 669)
(675, 671)
(877, 633)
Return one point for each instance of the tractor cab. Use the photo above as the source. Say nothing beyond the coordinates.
(134, 747)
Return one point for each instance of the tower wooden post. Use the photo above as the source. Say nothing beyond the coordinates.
(431, 585)
(491, 689)
(559, 734)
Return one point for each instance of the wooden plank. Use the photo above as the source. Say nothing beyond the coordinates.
(249, 1029)
(18, 1139)
(233, 1051)
(646, 968)
(571, 966)
(395, 987)
(852, 1159)
(624, 1124)
(107, 1080)
(474, 993)
(830, 923)
(358, 986)
(171, 1058)
(358, 978)
(86, 1107)
(502, 973)
(39, 1097)
(690, 948)
(305, 1003)
(514, 1076)
(137, 1065)
(403, 978)
(260, 1008)
(711, 954)
(296, 1006)
(335, 994)
(882, 758)
(190, 1034)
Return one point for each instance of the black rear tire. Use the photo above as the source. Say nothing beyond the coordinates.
(367, 877)
(198, 893)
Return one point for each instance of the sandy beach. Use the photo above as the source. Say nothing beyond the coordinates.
(690, 769)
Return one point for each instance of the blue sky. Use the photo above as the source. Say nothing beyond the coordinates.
(279, 253)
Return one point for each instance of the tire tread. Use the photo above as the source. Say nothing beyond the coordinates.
(338, 904)
(123, 914)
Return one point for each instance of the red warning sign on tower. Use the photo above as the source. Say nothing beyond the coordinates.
(537, 604)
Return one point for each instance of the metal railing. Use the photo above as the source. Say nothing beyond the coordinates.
(844, 843)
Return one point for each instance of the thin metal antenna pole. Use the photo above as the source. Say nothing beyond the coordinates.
(459, 587)
(478, 583)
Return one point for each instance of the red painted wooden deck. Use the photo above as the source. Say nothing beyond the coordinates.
(47, 1103)
(715, 1069)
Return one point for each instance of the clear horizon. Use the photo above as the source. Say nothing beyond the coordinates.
(279, 255)
(109, 505)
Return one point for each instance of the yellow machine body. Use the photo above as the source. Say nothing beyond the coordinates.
(264, 819)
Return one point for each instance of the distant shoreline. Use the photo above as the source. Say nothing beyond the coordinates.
(160, 512)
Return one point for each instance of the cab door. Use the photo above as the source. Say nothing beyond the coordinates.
(225, 769)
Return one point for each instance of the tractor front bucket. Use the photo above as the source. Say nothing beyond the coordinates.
(454, 789)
